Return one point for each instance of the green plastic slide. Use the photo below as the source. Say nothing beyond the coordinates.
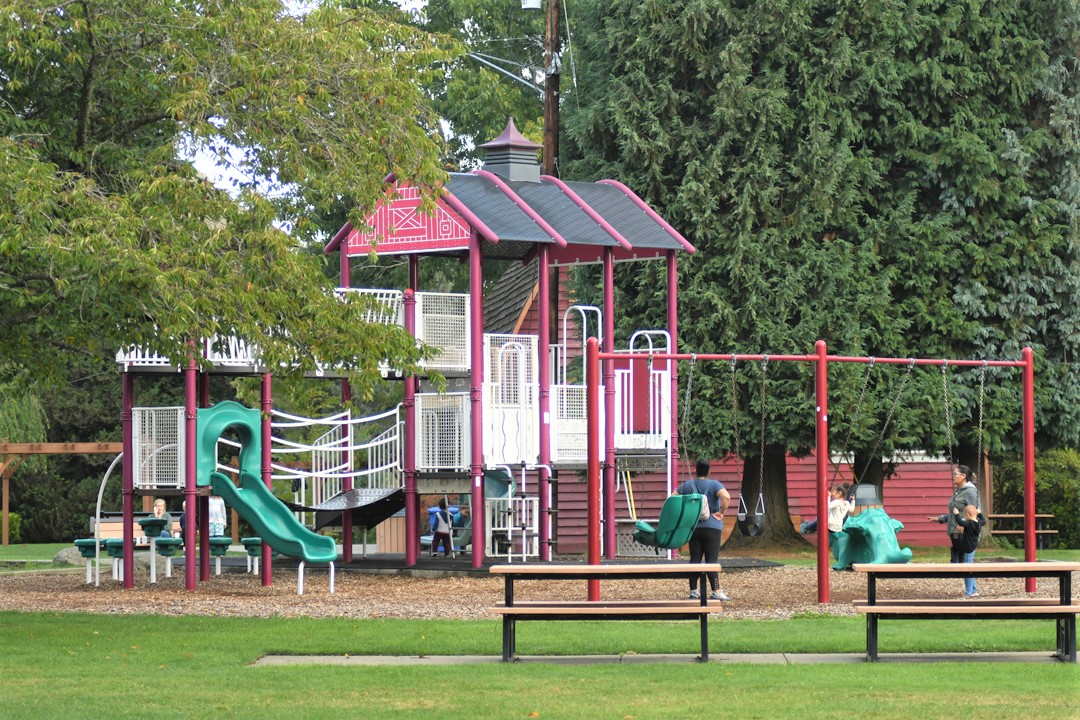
(272, 520)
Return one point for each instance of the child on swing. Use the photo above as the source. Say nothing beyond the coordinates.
(839, 509)
(840, 506)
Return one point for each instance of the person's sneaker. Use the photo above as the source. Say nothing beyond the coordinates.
(695, 595)
(972, 595)
(719, 595)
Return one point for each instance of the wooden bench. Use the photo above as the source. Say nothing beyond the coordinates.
(1061, 609)
(512, 611)
(1043, 533)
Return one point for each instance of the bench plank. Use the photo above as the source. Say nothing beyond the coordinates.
(611, 603)
(563, 612)
(963, 602)
(1018, 611)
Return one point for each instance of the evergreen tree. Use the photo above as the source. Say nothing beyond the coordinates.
(885, 176)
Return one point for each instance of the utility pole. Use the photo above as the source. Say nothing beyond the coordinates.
(552, 67)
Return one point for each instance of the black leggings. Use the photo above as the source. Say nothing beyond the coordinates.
(705, 542)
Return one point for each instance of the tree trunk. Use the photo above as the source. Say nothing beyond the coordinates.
(778, 529)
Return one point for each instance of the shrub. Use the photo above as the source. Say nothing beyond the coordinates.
(14, 528)
(1057, 490)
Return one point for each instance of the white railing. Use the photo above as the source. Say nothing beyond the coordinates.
(511, 527)
(222, 351)
(389, 306)
(318, 470)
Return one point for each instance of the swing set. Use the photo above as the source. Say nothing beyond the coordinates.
(753, 523)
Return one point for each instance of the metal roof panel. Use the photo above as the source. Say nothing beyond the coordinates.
(495, 209)
(625, 216)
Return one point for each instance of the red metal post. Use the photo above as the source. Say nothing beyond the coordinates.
(592, 424)
(346, 398)
(266, 402)
(128, 481)
(822, 462)
(476, 385)
(347, 484)
(1028, 357)
(609, 404)
(673, 330)
(544, 371)
(202, 508)
(412, 500)
(190, 492)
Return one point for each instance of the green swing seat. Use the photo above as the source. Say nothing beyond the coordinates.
(678, 518)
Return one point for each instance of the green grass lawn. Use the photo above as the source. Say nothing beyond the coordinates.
(67, 666)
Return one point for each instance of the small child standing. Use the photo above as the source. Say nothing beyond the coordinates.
(964, 545)
(442, 531)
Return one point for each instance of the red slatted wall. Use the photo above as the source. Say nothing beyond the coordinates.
(917, 490)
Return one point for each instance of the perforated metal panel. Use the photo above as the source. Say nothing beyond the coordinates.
(442, 438)
(158, 440)
(569, 438)
(442, 321)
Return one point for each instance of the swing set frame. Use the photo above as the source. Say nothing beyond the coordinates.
(821, 360)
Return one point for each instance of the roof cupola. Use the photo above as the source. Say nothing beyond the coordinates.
(512, 156)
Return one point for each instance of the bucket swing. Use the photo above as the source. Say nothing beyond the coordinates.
(751, 524)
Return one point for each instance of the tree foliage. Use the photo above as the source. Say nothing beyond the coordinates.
(897, 179)
(473, 98)
(110, 239)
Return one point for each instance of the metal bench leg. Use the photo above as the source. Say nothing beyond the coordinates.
(1068, 639)
(871, 637)
(509, 641)
(704, 638)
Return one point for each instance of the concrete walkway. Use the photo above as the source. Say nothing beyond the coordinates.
(717, 658)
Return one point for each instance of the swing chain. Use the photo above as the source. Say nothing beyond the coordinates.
(888, 420)
(761, 457)
(854, 417)
(686, 407)
(948, 414)
(982, 399)
(735, 408)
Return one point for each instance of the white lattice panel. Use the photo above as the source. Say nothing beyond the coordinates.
(158, 440)
(442, 438)
(511, 399)
(442, 321)
(626, 546)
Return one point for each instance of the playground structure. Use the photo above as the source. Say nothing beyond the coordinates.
(514, 412)
(517, 412)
